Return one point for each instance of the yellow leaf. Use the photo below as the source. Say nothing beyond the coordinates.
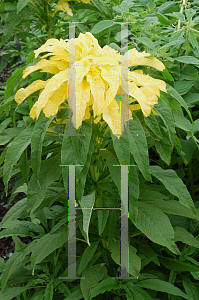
(113, 118)
(23, 93)
(53, 84)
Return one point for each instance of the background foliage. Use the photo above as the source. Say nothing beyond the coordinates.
(163, 189)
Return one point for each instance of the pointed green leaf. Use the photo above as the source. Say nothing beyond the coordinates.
(87, 204)
(87, 256)
(174, 185)
(37, 142)
(92, 276)
(162, 286)
(49, 291)
(155, 225)
(186, 237)
(15, 150)
(138, 146)
(106, 285)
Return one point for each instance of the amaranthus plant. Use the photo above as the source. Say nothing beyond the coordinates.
(96, 79)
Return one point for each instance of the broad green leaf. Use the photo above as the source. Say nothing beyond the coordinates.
(87, 204)
(163, 20)
(123, 7)
(112, 223)
(5, 123)
(139, 290)
(9, 134)
(49, 172)
(99, 27)
(75, 150)
(76, 295)
(47, 244)
(164, 148)
(21, 4)
(174, 185)
(167, 74)
(15, 150)
(183, 86)
(189, 73)
(177, 96)
(177, 265)
(92, 276)
(81, 180)
(122, 149)
(103, 8)
(14, 263)
(162, 286)
(102, 214)
(23, 165)
(11, 82)
(182, 122)
(188, 147)
(37, 141)
(171, 207)
(152, 123)
(155, 225)
(193, 40)
(18, 210)
(186, 237)
(165, 6)
(137, 295)
(87, 256)
(134, 260)
(49, 291)
(106, 285)
(138, 146)
(4, 106)
(187, 60)
(166, 115)
(190, 288)
(147, 42)
(11, 293)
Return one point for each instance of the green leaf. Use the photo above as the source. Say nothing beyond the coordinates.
(9, 134)
(37, 142)
(103, 8)
(147, 42)
(134, 260)
(177, 96)
(164, 148)
(153, 124)
(14, 152)
(187, 60)
(76, 295)
(162, 286)
(190, 288)
(18, 210)
(92, 276)
(87, 256)
(75, 150)
(102, 214)
(174, 185)
(11, 293)
(49, 291)
(183, 86)
(21, 4)
(106, 285)
(165, 6)
(99, 27)
(167, 75)
(186, 237)
(139, 291)
(166, 115)
(23, 165)
(163, 20)
(177, 265)
(138, 146)
(87, 204)
(182, 122)
(42, 249)
(49, 172)
(155, 225)
(11, 82)
(171, 207)
(14, 263)
(193, 40)
(122, 149)
(81, 180)
(188, 147)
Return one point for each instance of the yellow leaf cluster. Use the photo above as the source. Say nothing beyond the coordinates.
(91, 78)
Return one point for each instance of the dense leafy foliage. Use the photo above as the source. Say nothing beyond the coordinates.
(163, 187)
